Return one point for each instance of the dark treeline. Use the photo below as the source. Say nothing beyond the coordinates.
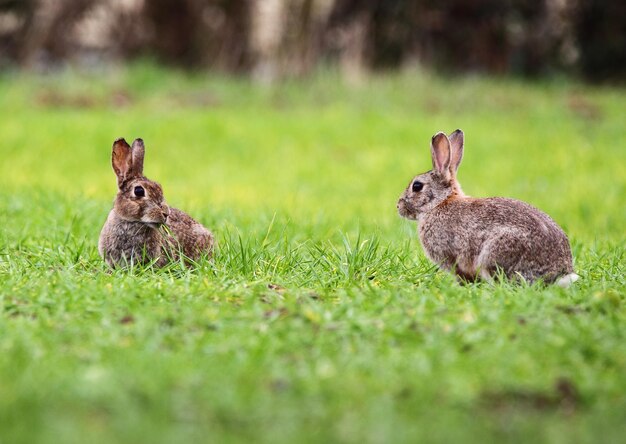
(275, 38)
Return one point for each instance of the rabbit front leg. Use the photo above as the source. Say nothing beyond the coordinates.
(463, 274)
(465, 278)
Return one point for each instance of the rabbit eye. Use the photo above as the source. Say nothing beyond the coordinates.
(139, 191)
(417, 186)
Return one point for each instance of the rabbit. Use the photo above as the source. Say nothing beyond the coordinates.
(141, 227)
(476, 239)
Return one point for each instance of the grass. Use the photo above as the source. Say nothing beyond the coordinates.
(320, 318)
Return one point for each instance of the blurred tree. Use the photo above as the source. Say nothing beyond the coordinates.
(287, 36)
(500, 36)
(377, 33)
(14, 14)
(212, 33)
(600, 29)
(42, 34)
(275, 38)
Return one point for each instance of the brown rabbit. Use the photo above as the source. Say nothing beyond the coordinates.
(474, 238)
(141, 228)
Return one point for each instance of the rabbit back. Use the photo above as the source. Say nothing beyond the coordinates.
(476, 237)
(193, 239)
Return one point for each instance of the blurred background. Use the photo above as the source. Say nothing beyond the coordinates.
(290, 128)
(271, 39)
(316, 112)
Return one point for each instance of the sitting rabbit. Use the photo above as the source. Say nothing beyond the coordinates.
(141, 227)
(474, 238)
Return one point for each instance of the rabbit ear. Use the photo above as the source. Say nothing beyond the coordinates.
(121, 159)
(138, 151)
(440, 151)
(456, 149)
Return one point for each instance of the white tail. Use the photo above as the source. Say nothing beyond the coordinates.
(567, 280)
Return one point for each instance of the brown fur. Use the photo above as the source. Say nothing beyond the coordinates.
(476, 238)
(142, 229)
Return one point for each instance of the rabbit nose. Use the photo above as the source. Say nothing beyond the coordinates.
(165, 211)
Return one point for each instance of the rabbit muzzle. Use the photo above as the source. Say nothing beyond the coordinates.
(405, 209)
(165, 212)
(156, 215)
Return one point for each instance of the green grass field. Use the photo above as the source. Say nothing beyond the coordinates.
(320, 319)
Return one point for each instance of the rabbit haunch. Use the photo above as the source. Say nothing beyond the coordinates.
(141, 227)
(478, 238)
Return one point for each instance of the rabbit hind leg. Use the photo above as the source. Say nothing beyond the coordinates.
(503, 254)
